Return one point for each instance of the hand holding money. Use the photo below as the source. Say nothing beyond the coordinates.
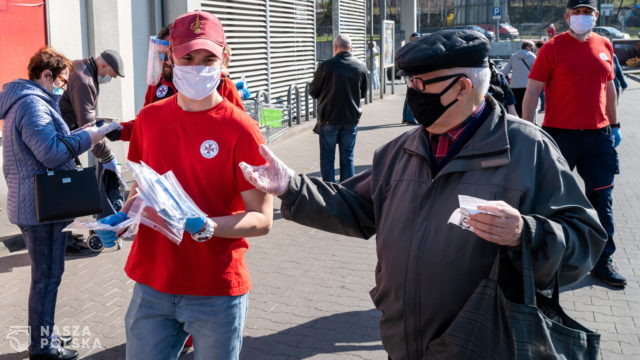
(498, 223)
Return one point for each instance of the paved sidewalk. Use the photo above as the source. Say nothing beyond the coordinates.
(310, 297)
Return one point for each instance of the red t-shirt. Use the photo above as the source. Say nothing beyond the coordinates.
(575, 75)
(203, 150)
(551, 32)
(160, 91)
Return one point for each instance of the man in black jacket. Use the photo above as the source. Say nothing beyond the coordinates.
(339, 83)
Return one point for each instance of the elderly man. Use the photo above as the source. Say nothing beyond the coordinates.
(466, 145)
(585, 127)
(78, 108)
(339, 84)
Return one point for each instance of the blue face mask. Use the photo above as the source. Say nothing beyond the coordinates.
(57, 91)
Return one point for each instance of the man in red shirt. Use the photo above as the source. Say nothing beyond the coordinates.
(551, 30)
(576, 71)
(199, 286)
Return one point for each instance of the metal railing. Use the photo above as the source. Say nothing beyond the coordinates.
(291, 109)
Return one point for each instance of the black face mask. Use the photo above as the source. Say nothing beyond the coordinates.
(427, 108)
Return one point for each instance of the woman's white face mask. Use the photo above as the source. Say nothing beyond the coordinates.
(581, 24)
(196, 82)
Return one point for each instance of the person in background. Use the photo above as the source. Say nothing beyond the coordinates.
(339, 83)
(539, 44)
(575, 69)
(36, 138)
(619, 80)
(207, 270)
(499, 89)
(551, 30)
(373, 52)
(519, 65)
(407, 115)
(78, 108)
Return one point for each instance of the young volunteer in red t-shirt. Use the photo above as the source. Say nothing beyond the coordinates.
(576, 71)
(197, 287)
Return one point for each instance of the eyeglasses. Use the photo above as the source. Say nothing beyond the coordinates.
(64, 81)
(419, 84)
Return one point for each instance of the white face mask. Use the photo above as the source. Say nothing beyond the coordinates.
(581, 24)
(196, 82)
(104, 79)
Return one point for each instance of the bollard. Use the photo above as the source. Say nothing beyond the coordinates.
(289, 98)
(298, 110)
(306, 102)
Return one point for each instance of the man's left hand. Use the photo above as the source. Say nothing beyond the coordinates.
(503, 226)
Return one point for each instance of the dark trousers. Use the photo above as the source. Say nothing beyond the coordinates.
(343, 136)
(592, 152)
(518, 93)
(46, 244)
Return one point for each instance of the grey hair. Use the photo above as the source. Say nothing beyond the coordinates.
(342, 41)
(480, 79)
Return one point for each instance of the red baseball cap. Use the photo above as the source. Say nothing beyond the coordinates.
(197, 30)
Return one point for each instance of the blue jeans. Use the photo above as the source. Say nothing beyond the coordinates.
(592, 152)
(46, 245)
(157, 325)
(542, 100)
(345, 137)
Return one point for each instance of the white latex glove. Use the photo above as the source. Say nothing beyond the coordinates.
(272, 177)
(97, 133)
(112, 165)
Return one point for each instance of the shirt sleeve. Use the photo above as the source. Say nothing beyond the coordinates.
(127, 130)
(541, 70)
(612, 74)
(227, 89)
(246, 150)
(136, 144)
(148, 97)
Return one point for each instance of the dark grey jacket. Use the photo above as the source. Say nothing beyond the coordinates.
(339, 83)
(427, 268)
(79, 101)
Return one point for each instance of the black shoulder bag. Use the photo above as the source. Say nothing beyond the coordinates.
(67, 194)
(491, 327)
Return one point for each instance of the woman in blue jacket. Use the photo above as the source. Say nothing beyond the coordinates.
(32, 131)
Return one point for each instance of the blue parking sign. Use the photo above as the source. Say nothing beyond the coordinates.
(497, 11)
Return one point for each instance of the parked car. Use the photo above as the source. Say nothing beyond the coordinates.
(626, 49)
(610, 32)
(490, 35)
(506, 31)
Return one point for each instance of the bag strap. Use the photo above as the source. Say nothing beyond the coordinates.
(525, 64)
(75, 156)
(527, 274)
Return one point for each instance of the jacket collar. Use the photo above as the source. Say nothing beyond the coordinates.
(343, 54)
(93, 70)
(488, 147)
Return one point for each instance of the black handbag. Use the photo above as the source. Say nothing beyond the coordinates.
(491, 327)
(67, 194)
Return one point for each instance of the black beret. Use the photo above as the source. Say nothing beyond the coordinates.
(444, 49)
